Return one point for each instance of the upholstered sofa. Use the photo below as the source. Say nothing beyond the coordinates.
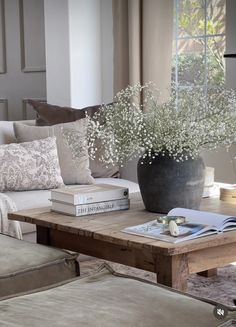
(40, 198)
(103, 299)
(107, 299)
(26, 266)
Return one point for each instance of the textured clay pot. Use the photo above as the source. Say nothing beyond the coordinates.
(166, 184)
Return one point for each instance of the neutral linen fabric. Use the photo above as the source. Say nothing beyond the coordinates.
(6, 132)
(8, 227)
(48, 114)
(26, 266)
(29, 166)
(143, 34)
(29, 200)
(104, 299)
(74, 169)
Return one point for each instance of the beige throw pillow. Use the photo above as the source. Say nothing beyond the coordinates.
(74, 170)
(48, 115)
(29, 166)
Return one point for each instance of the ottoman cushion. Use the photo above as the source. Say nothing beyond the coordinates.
(25, 266)
(108, 299)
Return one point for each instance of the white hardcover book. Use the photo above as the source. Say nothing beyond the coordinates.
(92, 208)
(82, 194)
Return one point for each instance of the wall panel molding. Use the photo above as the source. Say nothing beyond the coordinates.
(26, 44)
(27, 111)
(3, 64)
(4, 114)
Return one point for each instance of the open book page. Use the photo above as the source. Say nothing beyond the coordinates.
(198, 223)
(203, 217)
(153, 229)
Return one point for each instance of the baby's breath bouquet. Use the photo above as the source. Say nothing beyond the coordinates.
(137, 123)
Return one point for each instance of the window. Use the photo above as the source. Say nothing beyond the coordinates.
(199, 43)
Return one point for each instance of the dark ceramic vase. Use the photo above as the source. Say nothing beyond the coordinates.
(166, 184)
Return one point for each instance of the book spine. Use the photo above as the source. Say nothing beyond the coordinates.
(90, 209)
(101, 207)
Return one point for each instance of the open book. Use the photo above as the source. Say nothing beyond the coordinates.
(198, 224)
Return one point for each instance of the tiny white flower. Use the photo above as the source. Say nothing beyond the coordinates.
(181, 128)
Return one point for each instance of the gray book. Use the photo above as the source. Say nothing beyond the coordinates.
(91, 208)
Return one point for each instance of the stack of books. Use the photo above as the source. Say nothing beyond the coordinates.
(228, 193)
(81, 200)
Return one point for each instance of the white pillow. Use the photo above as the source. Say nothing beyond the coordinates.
(74, 170)
(29, 166)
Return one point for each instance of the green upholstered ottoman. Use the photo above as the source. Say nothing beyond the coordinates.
(26, 266)
(107, 299)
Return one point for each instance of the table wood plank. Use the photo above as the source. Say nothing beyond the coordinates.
(100, 235)
(108, 226)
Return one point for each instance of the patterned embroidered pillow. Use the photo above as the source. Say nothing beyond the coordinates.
(30, 166)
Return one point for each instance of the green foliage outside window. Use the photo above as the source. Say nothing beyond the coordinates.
(200, 41)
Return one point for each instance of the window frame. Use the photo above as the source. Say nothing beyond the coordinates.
(204, 37)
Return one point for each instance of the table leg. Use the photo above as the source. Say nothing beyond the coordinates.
(208, 273)
(172, 271)
(43, 235)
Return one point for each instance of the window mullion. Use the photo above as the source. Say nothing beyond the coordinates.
(205, 47)
(177, 43)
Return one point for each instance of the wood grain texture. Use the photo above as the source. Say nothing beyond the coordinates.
(126, 255)
(172, 271)
(108, 226)
(208, 273)
(100, 236)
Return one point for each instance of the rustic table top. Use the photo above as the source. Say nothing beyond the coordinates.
(107, 226)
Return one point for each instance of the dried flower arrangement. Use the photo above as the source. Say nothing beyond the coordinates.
(182, 127)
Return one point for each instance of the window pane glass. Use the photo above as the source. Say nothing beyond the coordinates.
(174, 62)
(199, 33)
(215, 60)
(191, 17)
(215, 17)
(191, 61)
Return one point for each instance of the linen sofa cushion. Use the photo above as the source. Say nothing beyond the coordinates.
(7, 132)
(50, 115)
(26, 266)
(74, 169)
(30, 200)
(30, 165)
(108, 299)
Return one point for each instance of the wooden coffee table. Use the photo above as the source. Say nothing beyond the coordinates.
(100, 236)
